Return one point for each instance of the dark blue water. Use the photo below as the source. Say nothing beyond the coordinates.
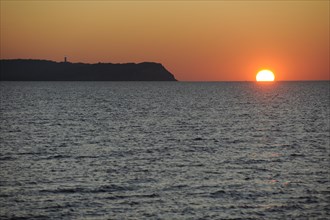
(164, 150)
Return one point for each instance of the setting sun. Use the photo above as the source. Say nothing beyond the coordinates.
(265, 76)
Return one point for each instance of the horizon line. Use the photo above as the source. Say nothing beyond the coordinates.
(155, 62)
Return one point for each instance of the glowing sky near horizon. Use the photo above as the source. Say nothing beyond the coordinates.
(195, 40)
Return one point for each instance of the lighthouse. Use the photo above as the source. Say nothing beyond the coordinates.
(65, 60)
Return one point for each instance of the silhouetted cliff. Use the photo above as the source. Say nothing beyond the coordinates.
(43, 70)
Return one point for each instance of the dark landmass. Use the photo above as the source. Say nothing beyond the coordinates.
(44, 70)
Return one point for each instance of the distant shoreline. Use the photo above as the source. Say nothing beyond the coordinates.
(46, 70)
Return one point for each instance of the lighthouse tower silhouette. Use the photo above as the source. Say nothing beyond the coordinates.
(65, 60)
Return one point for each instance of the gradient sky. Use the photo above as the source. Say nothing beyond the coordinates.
(195, 40)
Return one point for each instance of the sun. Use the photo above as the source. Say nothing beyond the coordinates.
(265, 76)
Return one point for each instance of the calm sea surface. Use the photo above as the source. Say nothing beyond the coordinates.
(164, 150)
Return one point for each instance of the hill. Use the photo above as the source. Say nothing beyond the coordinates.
(45, 70)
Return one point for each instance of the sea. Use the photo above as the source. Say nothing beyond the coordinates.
(164, 150)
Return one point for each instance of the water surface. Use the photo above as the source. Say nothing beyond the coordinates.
(164, 150)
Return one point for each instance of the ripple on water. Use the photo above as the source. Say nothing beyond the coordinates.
(123, 150)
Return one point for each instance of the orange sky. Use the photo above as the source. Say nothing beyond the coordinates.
(195, 40)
